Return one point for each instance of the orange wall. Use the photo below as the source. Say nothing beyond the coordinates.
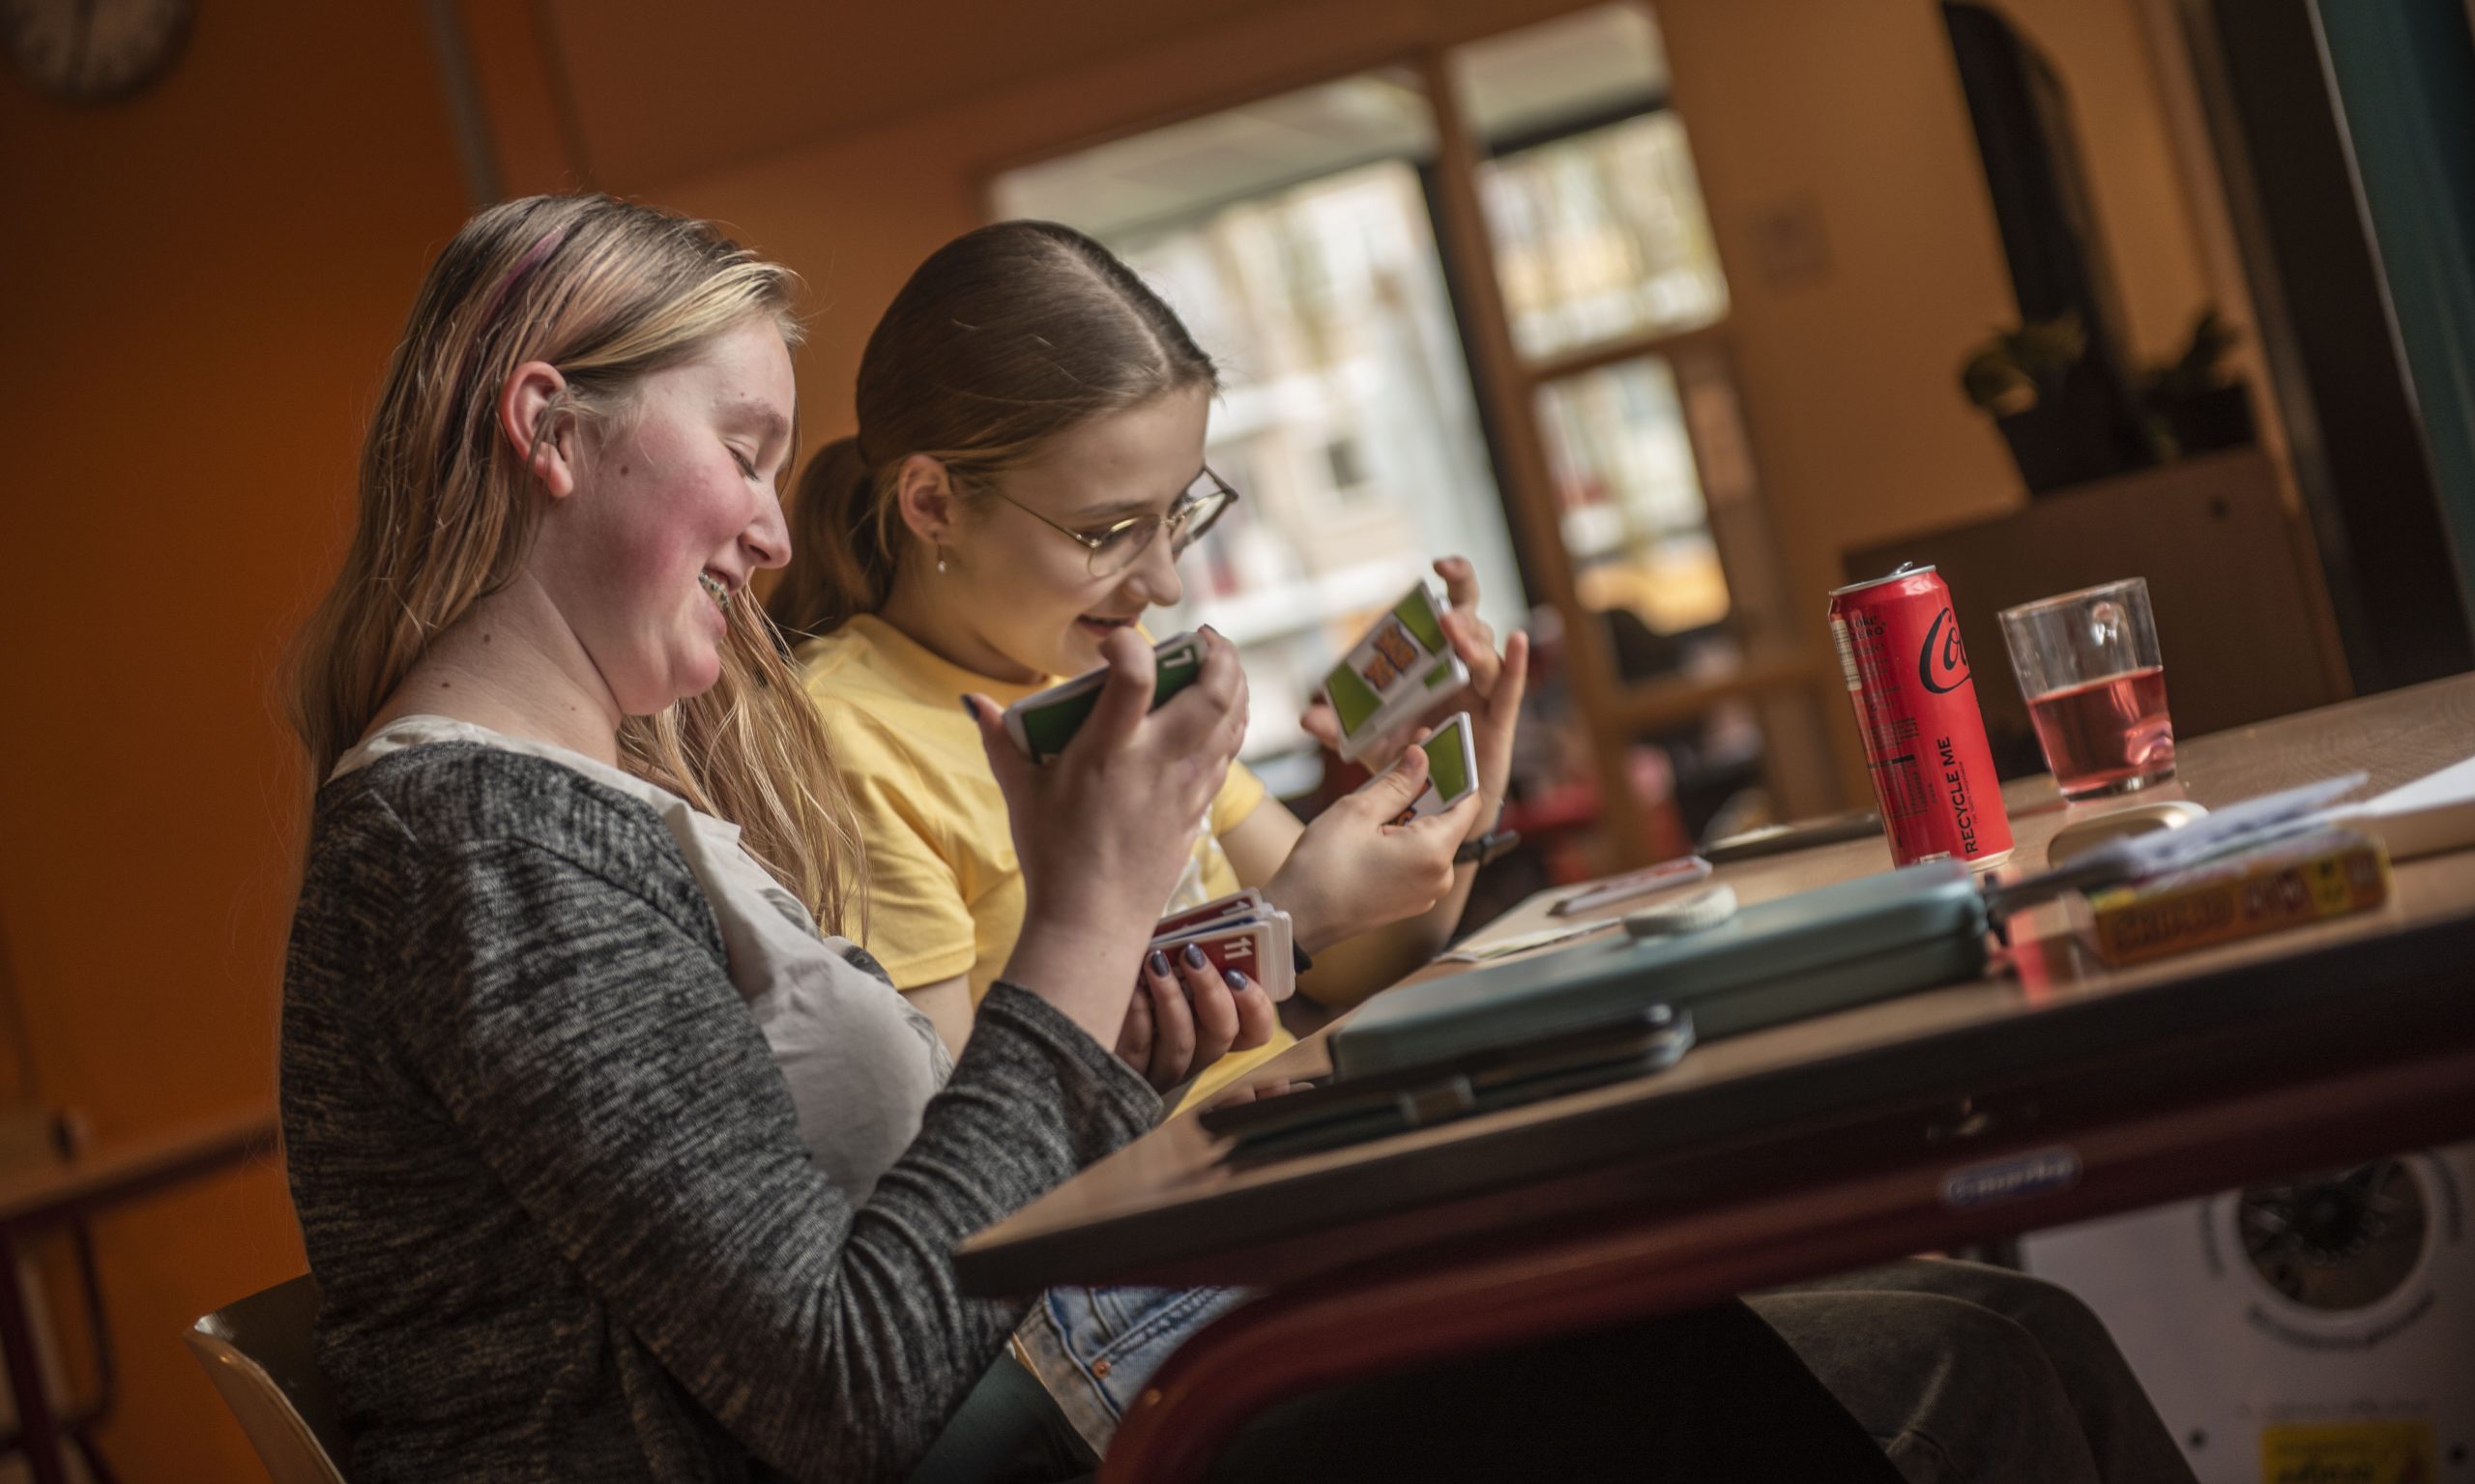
(200, 287)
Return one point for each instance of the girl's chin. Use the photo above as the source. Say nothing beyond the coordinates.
(696, 677)
(1090, 634)
(1083, 649)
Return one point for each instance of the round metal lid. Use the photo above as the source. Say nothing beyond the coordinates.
(1903, 570)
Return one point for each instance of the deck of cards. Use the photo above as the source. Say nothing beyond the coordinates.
(1043, 724)
(1404, 666)
(1237, 932)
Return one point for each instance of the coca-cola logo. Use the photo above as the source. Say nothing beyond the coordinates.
(1941, 663)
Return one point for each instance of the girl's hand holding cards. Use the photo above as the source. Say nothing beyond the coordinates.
(1492, 694)
(1354, 868)
(1187, 1015)
(1103, 831)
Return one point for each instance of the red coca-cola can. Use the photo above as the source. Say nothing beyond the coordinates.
(1908, 677)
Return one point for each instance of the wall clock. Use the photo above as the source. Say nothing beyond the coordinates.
(91, 52)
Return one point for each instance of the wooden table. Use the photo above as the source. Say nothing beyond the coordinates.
(38, 1201)
(1813, 1147)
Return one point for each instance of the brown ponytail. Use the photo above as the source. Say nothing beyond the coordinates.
(1004, 339)
(844, 558)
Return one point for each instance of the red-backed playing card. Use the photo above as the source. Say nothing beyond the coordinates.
(1247, 902)
(1258, 947)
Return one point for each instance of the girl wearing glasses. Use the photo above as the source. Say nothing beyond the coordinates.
(1028, 468)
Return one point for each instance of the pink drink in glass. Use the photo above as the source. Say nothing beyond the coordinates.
(2107, 735)
(2094, 680)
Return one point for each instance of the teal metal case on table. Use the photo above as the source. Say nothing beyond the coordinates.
(1776, 961)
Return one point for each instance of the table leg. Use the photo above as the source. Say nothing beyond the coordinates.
(37, 1432)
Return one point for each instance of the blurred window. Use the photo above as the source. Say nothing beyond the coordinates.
(1602, 235)
(1629, 497)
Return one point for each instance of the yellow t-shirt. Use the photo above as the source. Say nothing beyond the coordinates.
(944, 894)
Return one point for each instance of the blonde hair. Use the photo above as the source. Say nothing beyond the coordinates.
(606, 291)
(1004, 339)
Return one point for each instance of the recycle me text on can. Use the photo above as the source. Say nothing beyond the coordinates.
(1908, 675)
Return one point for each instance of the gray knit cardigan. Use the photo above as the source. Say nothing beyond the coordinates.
(550, 1181)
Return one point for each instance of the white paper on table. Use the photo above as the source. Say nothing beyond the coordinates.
(1522, 943)
(2435, 813)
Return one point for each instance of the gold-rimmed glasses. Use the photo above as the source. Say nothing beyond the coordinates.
(1114, 548)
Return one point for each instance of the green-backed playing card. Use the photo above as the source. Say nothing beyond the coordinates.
(1043, 724)
(1392, 675)
(1452, 768)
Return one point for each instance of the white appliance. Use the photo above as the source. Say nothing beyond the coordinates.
(2310, 1331)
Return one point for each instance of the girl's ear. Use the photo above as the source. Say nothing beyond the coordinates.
(924, 494)
(543, 434)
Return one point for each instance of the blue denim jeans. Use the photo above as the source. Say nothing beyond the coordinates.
(1094, 1349)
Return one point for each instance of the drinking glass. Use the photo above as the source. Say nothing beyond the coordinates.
(2095, 684)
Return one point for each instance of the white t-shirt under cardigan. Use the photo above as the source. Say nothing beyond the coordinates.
(861, 1061)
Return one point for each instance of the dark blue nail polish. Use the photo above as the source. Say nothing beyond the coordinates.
(1159, 962)
(971, 709)
(1194, 956)
(1236, 980)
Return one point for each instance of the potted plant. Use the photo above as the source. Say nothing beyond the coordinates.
(2052, 405)
(2017, 369)
(2191, 404)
